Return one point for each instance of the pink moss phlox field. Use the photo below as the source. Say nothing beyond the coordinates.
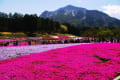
(100, 61)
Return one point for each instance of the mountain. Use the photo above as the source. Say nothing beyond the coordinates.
(81, 17)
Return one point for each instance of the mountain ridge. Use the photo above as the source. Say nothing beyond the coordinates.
(81, 17)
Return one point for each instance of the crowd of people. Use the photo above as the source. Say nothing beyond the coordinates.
(63, 41)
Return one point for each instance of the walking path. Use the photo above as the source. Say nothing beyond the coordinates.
(13, 52)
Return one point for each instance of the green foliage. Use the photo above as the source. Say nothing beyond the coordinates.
(100, 32)
(103, 60)
(105, 33)
(116, 32)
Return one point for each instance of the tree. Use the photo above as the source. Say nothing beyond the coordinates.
(30, 23)
(105, 34)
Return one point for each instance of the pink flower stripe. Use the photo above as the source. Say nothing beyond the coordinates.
(5, 40)
(63, 37)
(21, 38)
(19, 44)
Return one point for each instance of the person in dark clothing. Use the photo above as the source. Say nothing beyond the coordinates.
(15, 43)
(6, 43)
(111, 40)
(29, 42)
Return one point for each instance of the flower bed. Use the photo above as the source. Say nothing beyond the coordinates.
(63, 37)
(82, 62)
(6, 40)
(56, 37)
(19, 38)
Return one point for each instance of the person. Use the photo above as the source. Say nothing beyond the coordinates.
(15, 43)
(111, 40)
(6, 43)
(29, 42)
(66, 41)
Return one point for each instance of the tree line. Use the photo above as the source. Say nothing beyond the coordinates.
(32, 23)
(101, 33)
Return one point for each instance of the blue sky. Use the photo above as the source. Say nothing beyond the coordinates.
(111, 7)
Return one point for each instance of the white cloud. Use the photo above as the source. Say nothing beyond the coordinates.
(112, 10)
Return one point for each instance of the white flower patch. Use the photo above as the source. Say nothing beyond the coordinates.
(13, 52)
(117, 78)
(54, 36)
